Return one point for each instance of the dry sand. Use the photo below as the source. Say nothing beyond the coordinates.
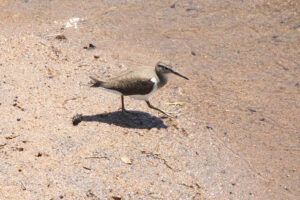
(237, 136)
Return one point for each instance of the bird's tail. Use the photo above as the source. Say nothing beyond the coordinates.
(95, 82)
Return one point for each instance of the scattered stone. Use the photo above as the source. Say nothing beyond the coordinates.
(209, 128)
(91, 46)
(61, 196)
(19, 119)
(96, 56)
(20, 149)
(91, 195)
(116, 198)
(275, 36)
(39, 154)
(173, 5)
(76, 119)
(184, 132)
(15, 104)
(61, 37)
(193, 53)
(297, 85)
(126, 160)
(262, 119)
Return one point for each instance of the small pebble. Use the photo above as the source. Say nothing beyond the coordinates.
(91, 46)
(20, 149)
(60, 37)
(39, 154)
(76, 119)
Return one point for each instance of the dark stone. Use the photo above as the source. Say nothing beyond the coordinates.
(91, 46)
(20, 149)
(76, 119)
(262, 119)
(39, 154)
(193, 53)
(116, 198)
(173, 5)
(60, 37)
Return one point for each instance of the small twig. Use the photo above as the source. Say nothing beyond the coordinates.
(166, 163)
(23, 186)
(86, 168)
(2, 145)
(97, 157)
(156, 156)
(11, 137)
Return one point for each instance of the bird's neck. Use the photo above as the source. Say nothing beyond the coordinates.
(163, 79)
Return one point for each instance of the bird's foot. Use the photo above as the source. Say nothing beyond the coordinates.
(124, 110)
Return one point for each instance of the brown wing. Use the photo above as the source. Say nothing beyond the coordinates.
(131, 87)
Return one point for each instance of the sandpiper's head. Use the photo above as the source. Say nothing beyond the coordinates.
(164, 68)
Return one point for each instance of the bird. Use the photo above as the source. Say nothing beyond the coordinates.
(139, 83)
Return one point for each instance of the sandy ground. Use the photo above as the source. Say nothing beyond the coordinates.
(237, 136)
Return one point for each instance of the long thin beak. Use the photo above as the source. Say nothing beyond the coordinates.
(179, 75)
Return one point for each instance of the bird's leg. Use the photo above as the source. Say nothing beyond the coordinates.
(123, 106)
(152, 107)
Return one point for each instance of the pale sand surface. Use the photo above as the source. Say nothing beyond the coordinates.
(237, 136)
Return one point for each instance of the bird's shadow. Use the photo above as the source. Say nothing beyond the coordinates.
(133, 119)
